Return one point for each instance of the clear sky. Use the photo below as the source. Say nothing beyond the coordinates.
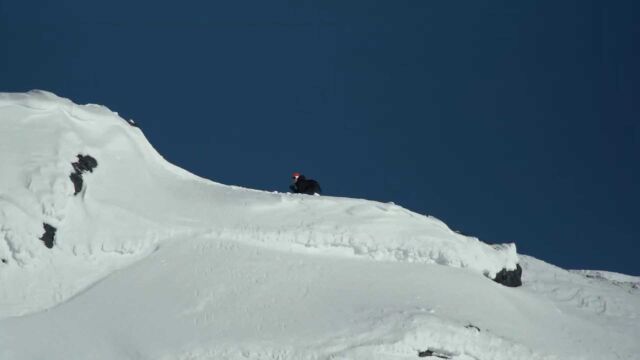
(511, 121)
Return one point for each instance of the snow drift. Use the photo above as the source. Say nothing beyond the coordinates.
(136, 258)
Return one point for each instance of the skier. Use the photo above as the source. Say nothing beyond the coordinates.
(302, 185)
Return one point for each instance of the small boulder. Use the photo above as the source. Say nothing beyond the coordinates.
(85, 163)
(511, 278)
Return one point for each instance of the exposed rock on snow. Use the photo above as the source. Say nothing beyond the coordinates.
(85, 163)
(511, 278)
(209, 271)
(436, 353)
(49, 235)
(471, 326)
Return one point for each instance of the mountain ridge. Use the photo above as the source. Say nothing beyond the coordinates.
(150, 261)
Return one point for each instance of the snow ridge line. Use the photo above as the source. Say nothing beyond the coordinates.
(348, 244)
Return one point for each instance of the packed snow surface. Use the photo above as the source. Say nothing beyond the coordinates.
(152, 262)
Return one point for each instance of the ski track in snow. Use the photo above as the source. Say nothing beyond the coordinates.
(162, 264)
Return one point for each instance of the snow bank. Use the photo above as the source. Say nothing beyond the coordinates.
(202, 298)
(134, 200)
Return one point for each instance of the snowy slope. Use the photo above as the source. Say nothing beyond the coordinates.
(152, 262)
(134, 200)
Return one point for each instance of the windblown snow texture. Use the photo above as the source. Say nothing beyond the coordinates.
(185, 268)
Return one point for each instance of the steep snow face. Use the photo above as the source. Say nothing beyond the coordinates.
(134, 200)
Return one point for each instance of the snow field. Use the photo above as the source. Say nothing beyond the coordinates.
(152, 262)
(134, 200)
(203, 298)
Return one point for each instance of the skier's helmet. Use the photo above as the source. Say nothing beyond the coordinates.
(295, 176)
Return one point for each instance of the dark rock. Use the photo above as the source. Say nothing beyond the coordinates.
(85, 163)
(471, 326)
(49, 235)
(4, 261)
(511, 278)
(430, 352)
(76, 179)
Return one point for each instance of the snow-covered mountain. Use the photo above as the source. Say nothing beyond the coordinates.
(109, 252)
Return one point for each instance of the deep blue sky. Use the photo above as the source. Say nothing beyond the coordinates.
(511, 121)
